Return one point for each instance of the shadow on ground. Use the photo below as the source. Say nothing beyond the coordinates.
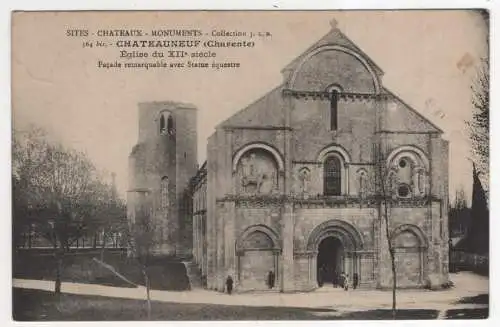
(480, 313)
(79, 267)
(478, 299)
(34, 305)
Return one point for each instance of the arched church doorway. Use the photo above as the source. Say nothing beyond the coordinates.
(337, 244)
(330, 260)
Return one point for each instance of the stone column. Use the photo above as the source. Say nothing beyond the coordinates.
(221, 217)
(229, 239)
(313, 273)
(195, 239)
(384, 261)
(287, 257)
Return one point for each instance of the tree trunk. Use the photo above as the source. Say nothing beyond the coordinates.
(393, 263)
(102, 249)
(59, 268)
(394, 282)
(148, 295)
(29, 236)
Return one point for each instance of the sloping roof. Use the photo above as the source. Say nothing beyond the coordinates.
(334, 36)
(267, 110)
(430, 125)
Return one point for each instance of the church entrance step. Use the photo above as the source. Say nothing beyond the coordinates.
(194, 274)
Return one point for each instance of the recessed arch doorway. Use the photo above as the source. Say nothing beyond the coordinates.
(330, 260)
(336, 244)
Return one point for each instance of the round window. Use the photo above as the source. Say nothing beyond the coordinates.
(403, 163)
(403, 191)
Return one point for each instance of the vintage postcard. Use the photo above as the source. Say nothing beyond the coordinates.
(250, 165)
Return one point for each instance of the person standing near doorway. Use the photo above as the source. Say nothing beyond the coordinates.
(355, 281)
(346, 282)
(270, 279)
(229, 285)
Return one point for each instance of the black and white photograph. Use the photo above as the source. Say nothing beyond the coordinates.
(250, 165)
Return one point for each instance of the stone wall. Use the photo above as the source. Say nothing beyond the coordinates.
(170, 156)
(295, 130)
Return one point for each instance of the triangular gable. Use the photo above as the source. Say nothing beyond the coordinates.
(403, 117)
(265, 111)
(333, 37)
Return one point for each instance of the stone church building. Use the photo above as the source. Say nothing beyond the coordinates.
(299, 182)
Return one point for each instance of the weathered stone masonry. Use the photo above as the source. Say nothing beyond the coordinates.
(293, 182)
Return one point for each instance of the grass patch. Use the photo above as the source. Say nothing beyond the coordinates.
(478, 299)
(481, 313)
(386, 314)
(165, 273)
(34, 305)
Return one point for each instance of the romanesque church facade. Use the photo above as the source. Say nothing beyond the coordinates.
(300, 181)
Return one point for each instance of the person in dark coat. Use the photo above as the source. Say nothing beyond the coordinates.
(355, 281)
(270, 279)
(229, 285)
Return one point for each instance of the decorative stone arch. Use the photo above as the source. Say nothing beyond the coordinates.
(419, 170)
(334, 87)
(277, 156)
(351, 238)
(347, 257)
(413, 229)
(305, 170)
(254, 263)
(410, 259)
(344, 157)
(361, 171)
(162, 112)
(363, 61)
(334, 148)
(260, 228)
(414, 153)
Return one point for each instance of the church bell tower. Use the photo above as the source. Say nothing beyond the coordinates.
(160, 167)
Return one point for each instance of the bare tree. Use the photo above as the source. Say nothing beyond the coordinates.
(479, 126)
(111, 215)
(142, 240)
(385, 192)
(56, 190)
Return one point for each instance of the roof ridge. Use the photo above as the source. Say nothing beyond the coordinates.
(317, 44)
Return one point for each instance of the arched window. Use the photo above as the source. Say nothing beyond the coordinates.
(162, 124)
(332, 176)
(411, 166)
(170, 126)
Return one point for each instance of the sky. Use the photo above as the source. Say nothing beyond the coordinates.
(428, 57)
